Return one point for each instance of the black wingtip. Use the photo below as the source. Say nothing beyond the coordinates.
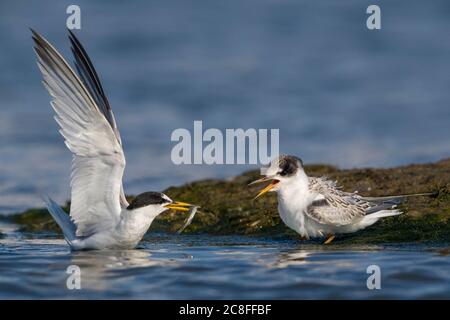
(37, 39)
(34, 34)
(71, 34)
(434, 194)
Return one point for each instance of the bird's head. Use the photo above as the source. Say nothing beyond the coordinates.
(156, 203)
(282, 171)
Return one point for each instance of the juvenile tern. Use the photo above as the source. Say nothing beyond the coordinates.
(316, 207)
(100, 216)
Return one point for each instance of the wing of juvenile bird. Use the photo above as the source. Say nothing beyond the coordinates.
(88, 127)
(336, 207)
(333, 206)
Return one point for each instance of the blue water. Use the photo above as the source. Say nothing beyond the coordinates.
(206, 267)
(339, 93)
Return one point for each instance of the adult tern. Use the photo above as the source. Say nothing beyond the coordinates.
(100, 216)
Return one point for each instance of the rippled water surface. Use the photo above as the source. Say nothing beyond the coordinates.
(206, 267)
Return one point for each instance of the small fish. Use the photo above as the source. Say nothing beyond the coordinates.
(192, 213)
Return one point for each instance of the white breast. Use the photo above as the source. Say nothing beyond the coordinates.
(135, 223)
(294, 197)
(292, 213)
(128, 232)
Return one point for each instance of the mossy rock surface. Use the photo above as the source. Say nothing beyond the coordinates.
(227, 206)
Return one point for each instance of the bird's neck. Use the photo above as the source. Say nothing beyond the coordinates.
(137, 221)
(295, 187)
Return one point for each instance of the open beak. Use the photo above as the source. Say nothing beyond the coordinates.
(179, 206)
(273, 183)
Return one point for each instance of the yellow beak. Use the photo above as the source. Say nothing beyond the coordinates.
(179, 206)
(272, 184)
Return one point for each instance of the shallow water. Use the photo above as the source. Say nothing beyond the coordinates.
(206, 267)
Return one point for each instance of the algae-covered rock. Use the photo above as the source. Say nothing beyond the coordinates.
(227, 206)
(35, 220)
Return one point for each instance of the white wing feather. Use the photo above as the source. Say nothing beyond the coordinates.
(99, 162)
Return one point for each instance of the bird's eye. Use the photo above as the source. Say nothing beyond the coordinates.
(282, 173)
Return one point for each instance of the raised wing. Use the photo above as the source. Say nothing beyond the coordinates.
(91, 81)
(99, 162)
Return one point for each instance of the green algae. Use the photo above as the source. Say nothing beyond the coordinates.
(227, 206)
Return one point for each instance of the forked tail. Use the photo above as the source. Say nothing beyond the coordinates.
(399, 198)
(62, 219)
(386, 206)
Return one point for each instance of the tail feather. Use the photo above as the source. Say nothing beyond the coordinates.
(62, 219)
(384, 206)
(370, 219)
(383, 213)
(381, 206)
(399, 198)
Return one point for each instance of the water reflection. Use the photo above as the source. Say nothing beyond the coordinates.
(317, 255)
(289, 258)
(218, 268)
(98, 267)
(444, 252)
